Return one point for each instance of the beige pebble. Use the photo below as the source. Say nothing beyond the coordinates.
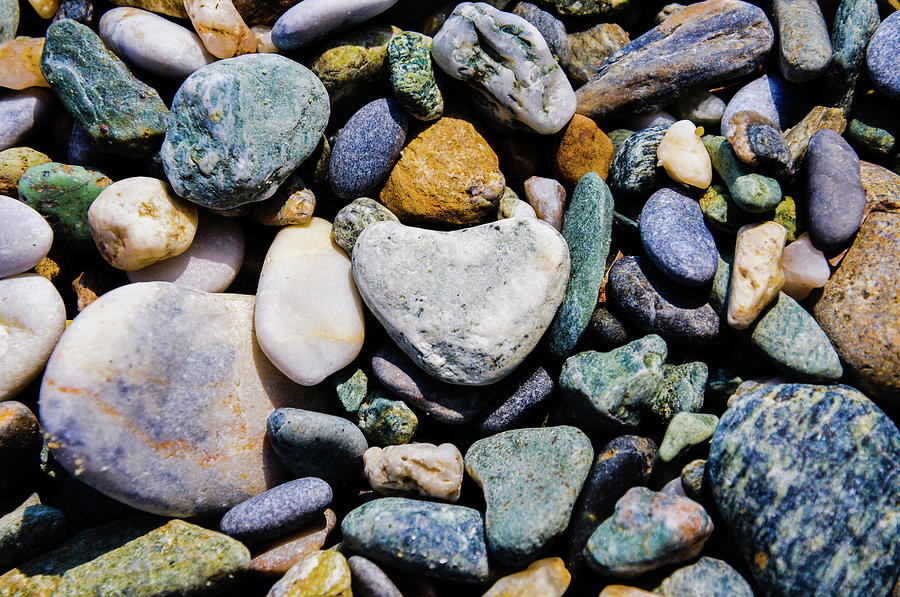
(276, 559)
(423, 470)
(548, 198)
(137, 221)
(756, 276)
(682, 154)
(292, 203)
(220, 27)
(544, 578)
(513, 207)
(804, 268)
(45, 8)
(263, 35)
(623, 591)
(20, 63)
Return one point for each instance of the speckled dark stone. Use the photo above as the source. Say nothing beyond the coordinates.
(367, 148)
(803, 42)
(443, 402)
(633, 172)
(692, 478)
(606, 330)
(437, 540)
(699, 46)
(780, 466)
(353, 218)
(81, 11)
(530, 479)
(750, 190)
(317, 445)
(586, 8)
(525, 399)
(656, 305)
(623, 463)
(709, 577)
(853, 26)
(588, 230)
(836, 199)
(676, 239)
(369, 580)
(386, 422)
(681, 390)
(277, 511)
(883, 57)
(610, 391)
(551, 29)
(30, 529)
(758, 141)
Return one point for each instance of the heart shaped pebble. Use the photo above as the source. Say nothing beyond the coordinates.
(468, 305)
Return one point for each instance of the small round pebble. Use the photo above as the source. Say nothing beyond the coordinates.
(277, 511)
(682, 155)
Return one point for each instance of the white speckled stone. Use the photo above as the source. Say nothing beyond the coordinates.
(136, 222)
(210, 264)
(25, 237)
(467, 306)
(309, 316)
(153, 43)
(20, 112)
(420, 470)
(756, 276)
(158, 395)
(32, 316)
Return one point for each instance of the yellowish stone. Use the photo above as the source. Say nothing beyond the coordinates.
(220, 27)
(682, 154)
(423, 470)
(756, 276)
(543, 578)
(13, 164)
(45, 8)
(623, 591)
(172, 8)
(20, 63)
(322, 574)
(263, 35)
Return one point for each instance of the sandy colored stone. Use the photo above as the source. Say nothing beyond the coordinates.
(819, 118)
(20, 63)
(756, 276)
(276, 559)
(682, 154)
(322, 574)
(623, 591)
(172, 8)
(583, 148)
(14, 162)
(220, 27)
(45, 8)
(882, 187)
(421, 470)
(448, 174)
(544, 578)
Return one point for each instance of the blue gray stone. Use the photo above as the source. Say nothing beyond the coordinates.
(552, 30)
(277, 511)
(803, 41)
(709, 577)
(28, 530)
(367, 148)
(768, 96)
(312, 21)
(676, 239)
(368, 580)
(836, 199)
(883, 57)
(526, 399)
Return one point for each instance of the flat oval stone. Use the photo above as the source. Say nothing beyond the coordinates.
(118, 112)
(836, 199)
(676, 239)
(309, 316)
(277, 511)
(820, 440)
(21, 112)
(436, 540)
(530, 479)
(466, 317)
(699, 46)
(124, 357)
(883, 59)
(412, 75)
(32, 317)
(354, 217)
(709, 577)
(25, 237)
(153, 43)
(367, 148)
(804, 44)
(309, 22)
(239, 127)
(506, 60)
(320, 574)
(634, 169)
(369, 580)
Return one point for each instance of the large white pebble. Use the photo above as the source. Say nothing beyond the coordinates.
(210, 264)
(153, 43)
(25, 237)
(682, 154)
(309, 315)
(136, 222)
(32, 317)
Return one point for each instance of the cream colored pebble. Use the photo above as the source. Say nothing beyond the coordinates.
(682, 154)
(424, 470)
(544, 578)
(804, 267)
(263, 35)
(756, 276)
(220, 27)
(137, 221)
(20, 63)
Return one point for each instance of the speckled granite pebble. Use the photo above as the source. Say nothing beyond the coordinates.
(634, 169)
(709, 577)
(527, 397)
(386, 422)
(353, 218)
(883, 59)
(681, 390)
(854, 24)
(412, 75)
(803, 41)
(277, 511)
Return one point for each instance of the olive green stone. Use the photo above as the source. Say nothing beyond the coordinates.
(14, 162)
(63, 194)
(686, 430)
(386, 422)
(9, 19)
(412, 75)
(786, 215)
(353, 218)
(681, 390)
(118, 112)
(351, 385)
(752, 192)
(723, 213)
(136, 557)
(29, 530)
(352, 63)
(321, 574)
(587, 8)
(590, 47)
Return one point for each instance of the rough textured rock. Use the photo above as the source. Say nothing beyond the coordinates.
(709, 577)
(803, 41)
(756, 277)
(591, 46)
(321, 574)
(353, 218)
(420, 470)
(684, 431)
(14, 163)
(818, 119)
(681, 390)
(758, 141)
(386, 422)
(521, 400)
(582, 148)
(412, 75)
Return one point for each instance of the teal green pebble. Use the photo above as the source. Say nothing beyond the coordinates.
(752, 192)
(610, 390)
(530, 479)
(28, 530)
(617, 137)
(437, 540)
(681, 390)
(587, 230)
(412, 75)
(386, 422)
(351, 386)
(709, 577)
(63, 194)
(119, 113)
(853, 27)
(686, 430)
(9, 19)
(240, 127)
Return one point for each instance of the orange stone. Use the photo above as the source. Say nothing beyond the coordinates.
(20, 63)
(583, 148)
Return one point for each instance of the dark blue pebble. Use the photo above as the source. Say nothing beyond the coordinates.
(883, 57)
(836, 198)
(526, 399)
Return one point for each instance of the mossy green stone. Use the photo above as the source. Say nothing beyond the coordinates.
(586, 8)
(853, 26)
(63, 194)
(870, 140)
(136, 557)
(686, 430)
(9, 19)
(351, 386)
(752, 192)
(723, 213)
(119, 113)
(588, 231)
(354, 217)
(386, 422)
(617, 137)
(530, 479)
(681, 390)
(350, 65)
(786, 215)
(412, 75)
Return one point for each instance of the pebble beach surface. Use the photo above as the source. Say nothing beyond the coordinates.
(416, 298)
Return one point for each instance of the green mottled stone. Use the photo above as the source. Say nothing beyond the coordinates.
(692, 478)
(353, 218)
(587, 230)
(28, 530)
(590, 47)
(350, 65)
(684, 431)
(752, 192)
(786, 215)
(530, 479)
(874, 127)
(63, 194)
(722, 212)
(807, 480)
(15, 162)
(240, 127)
(9, 19)
(437, 540)
(610, 390)
(617, 137)
(136, 557)
(633, 172)
(709, 577)
(386, 422)
(586, 8)
(351, 386)
(118, 112)
(681, 390)
(870, 140)
(722, 384)
(853, 26)
(412, 75)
